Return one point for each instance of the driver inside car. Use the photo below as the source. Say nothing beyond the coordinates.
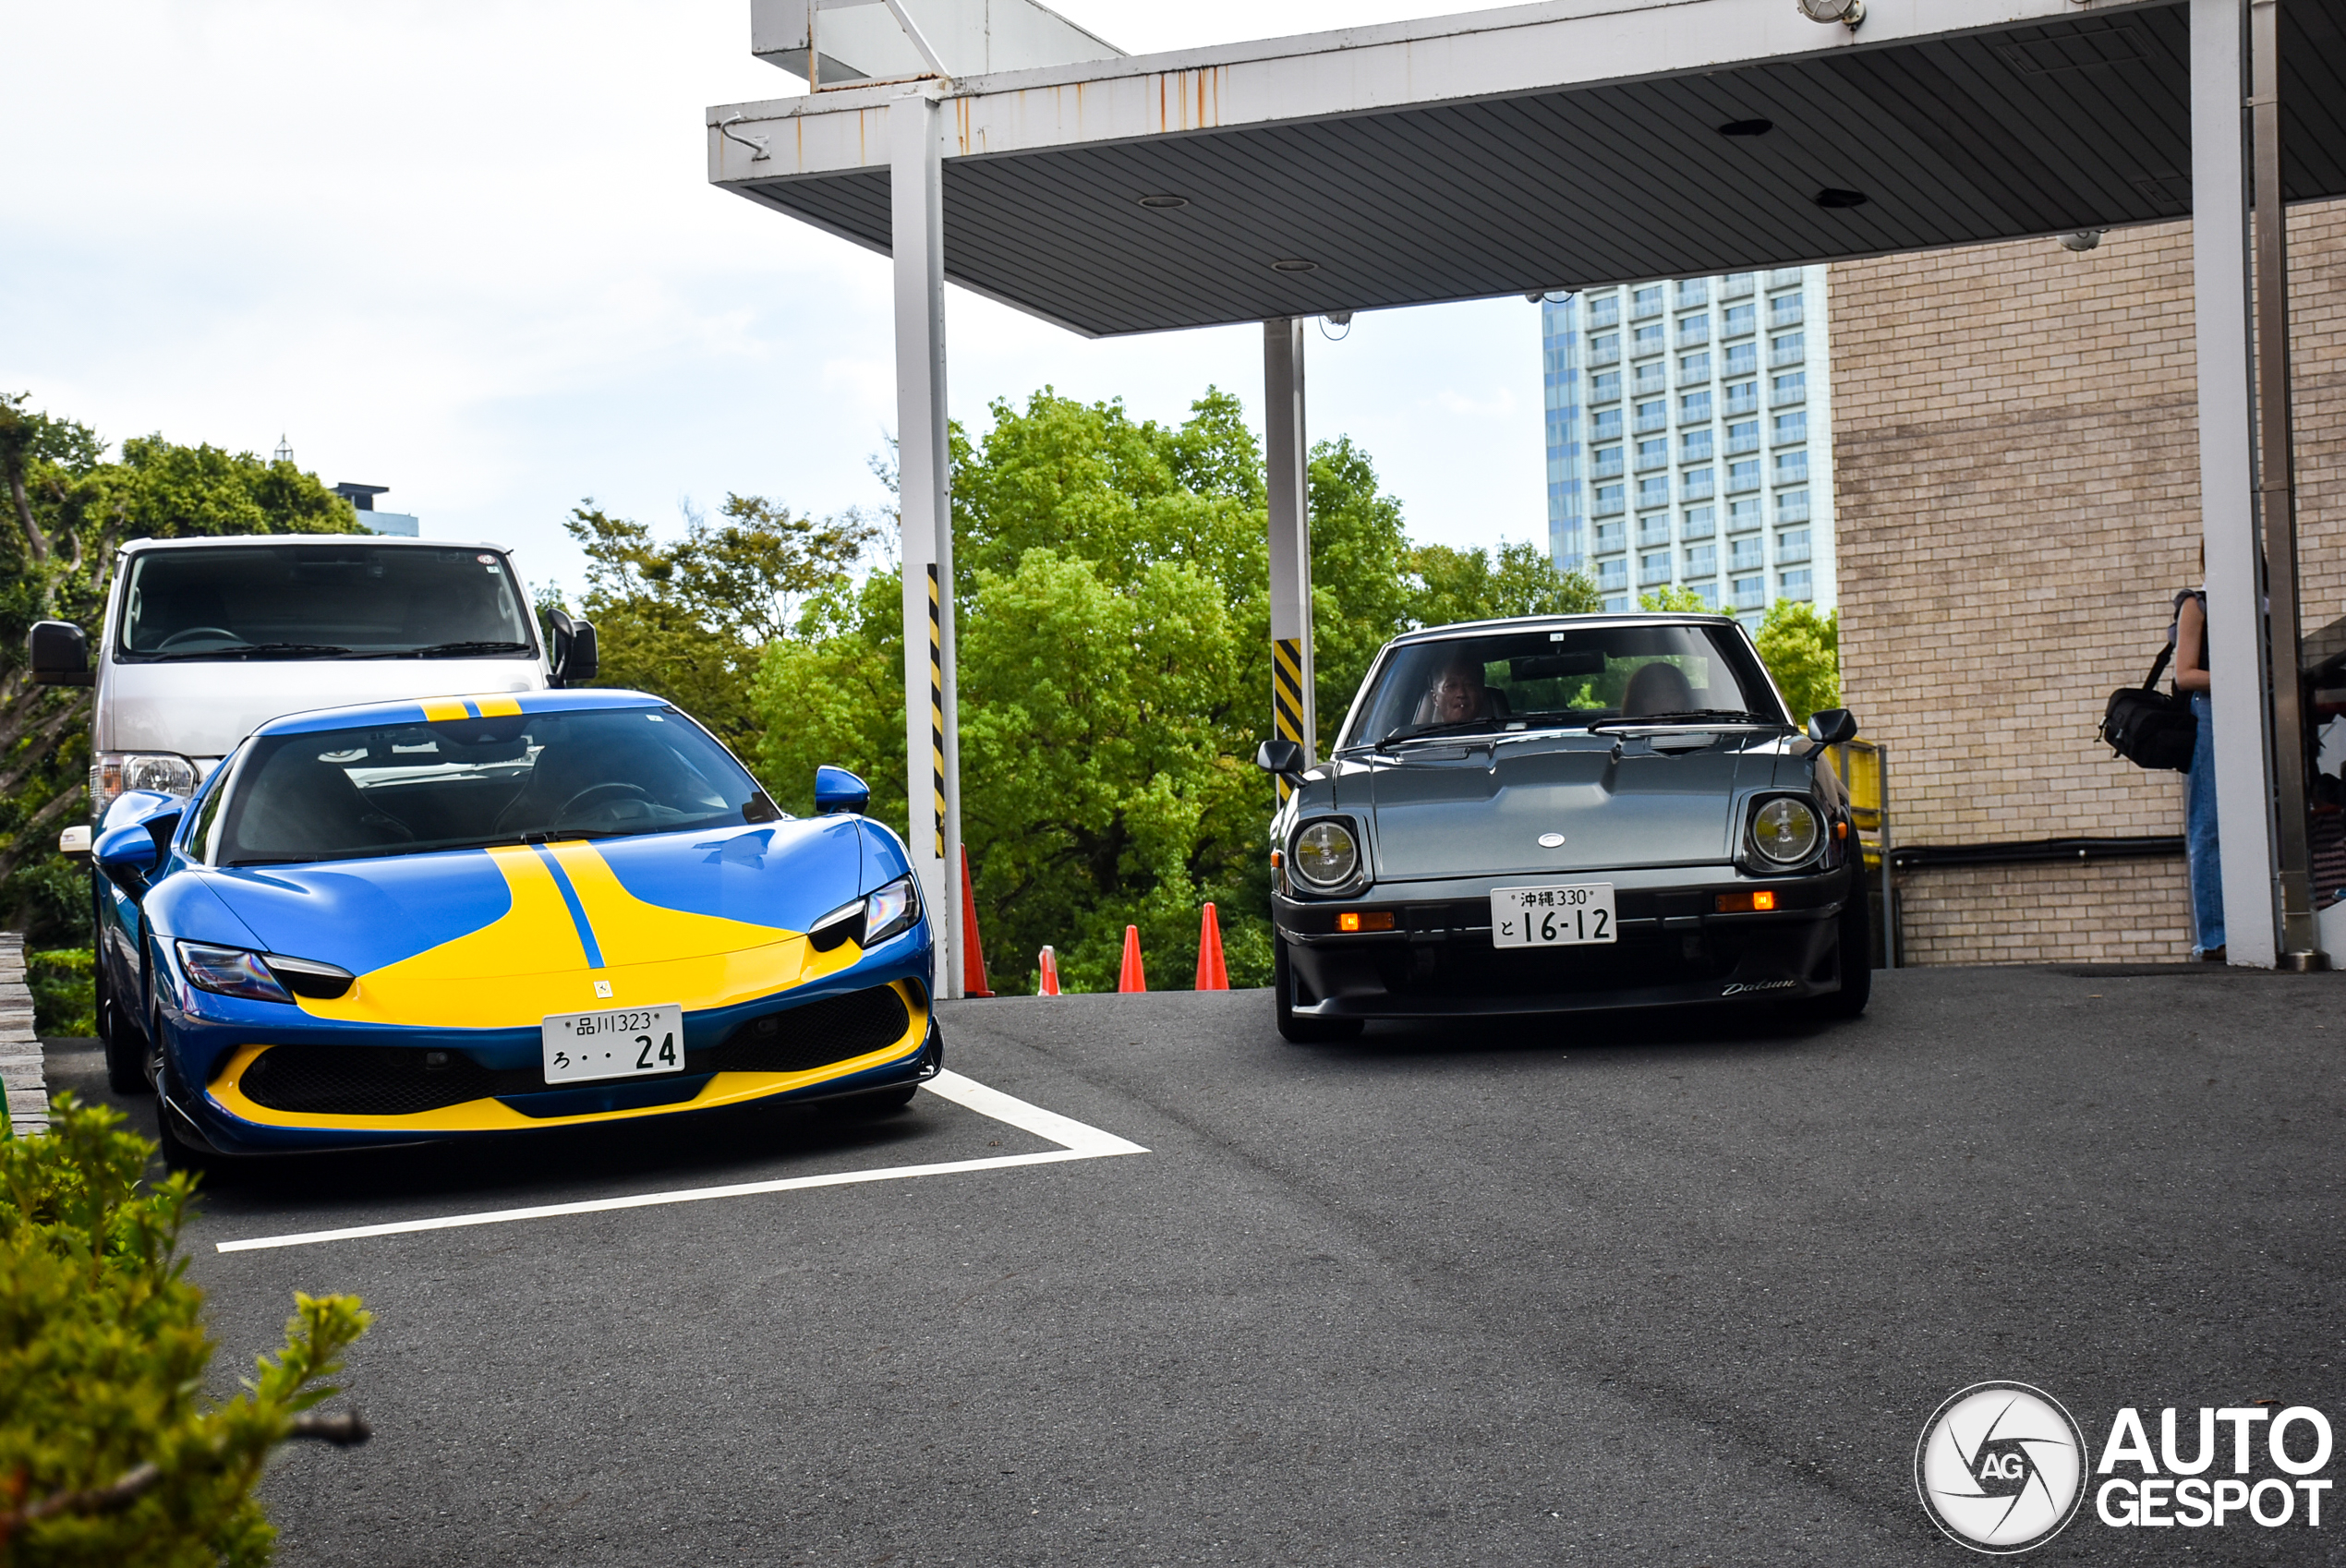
(1456, 695)
(1658, 687)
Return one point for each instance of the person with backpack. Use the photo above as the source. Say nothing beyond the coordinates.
(2201, 851)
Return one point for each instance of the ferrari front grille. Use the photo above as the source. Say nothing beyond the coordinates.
(815, 1034)
(376, 1081)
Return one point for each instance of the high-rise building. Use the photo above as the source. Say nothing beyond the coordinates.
(1689, 430)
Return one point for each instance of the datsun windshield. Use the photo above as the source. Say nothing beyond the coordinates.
(343, 793)
(321, 602)
(1544, 678)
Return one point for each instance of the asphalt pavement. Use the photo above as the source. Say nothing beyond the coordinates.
(1623, 1289)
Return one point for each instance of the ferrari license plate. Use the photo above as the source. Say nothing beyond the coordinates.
(1551, 917)
(619, 1043)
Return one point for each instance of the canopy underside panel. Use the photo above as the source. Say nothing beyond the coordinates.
(2037, 130)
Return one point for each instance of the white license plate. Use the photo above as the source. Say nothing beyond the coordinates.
(617, 1042)
(1551, 917)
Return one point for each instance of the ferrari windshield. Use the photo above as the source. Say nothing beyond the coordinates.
(339, 794)
(331, 600)
(1545, 678)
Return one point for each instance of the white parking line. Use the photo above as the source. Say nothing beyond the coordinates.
(1076, 1142)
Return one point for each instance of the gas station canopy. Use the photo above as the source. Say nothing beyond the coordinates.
(1540, 147)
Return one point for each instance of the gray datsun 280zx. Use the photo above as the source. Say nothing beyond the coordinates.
(1563, 813)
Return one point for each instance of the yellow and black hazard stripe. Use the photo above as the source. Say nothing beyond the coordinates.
(1286, 695)
(936, 708)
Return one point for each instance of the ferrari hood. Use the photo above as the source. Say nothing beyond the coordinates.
(1458, 810)
(708, 916)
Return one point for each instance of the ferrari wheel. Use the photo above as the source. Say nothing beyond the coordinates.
(125, 1051)
(1302, 1029)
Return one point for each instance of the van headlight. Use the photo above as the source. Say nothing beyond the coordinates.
(112, 772)
(1785, 831)
(1326, 855)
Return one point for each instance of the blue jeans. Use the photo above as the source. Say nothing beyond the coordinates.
(2199, 835)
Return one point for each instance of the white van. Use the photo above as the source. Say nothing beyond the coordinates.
(205, 639)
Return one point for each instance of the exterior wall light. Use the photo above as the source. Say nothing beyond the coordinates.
(2084, 239)
(1849, 13)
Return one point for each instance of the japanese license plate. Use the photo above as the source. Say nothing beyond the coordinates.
(617, 1042)
(1551, 917)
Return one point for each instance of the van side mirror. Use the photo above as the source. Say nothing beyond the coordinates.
(1832, 725)
(836, 791)
(1284, 758)
(573, 655)
(59, 654)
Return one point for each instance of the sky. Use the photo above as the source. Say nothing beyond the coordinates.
(469, 251)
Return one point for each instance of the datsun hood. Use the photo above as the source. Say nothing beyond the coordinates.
(1460, 809)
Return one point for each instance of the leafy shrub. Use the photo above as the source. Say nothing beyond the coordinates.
(107, 1456)
(65, 997)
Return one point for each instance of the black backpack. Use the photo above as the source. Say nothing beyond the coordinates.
(2150, 728)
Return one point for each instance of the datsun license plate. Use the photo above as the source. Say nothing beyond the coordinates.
(1551, 917)
(617, 1042)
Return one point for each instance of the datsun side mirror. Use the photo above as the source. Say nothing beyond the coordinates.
(131, 840)
(835, 789)
(573, 654)
(1832, 725)
(1284, 758)
(59, 654)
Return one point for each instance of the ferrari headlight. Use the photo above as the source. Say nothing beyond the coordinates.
(1326, 855)
(1785, 831)
(112, 772)
(890, 910)
(231, 971)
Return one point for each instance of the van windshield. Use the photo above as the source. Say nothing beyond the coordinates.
(1568, 677)
(321, 602)
(342, 794)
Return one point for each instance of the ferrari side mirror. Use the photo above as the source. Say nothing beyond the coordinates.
(835, 789)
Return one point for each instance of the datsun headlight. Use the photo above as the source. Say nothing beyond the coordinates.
(1785, 831)
(112, 772)
(1326, 855)
(232, 972)
(890, 910)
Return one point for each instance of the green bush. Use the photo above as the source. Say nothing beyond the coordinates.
(64, 996)
(107, 1456)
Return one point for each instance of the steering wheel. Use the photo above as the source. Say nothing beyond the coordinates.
(187, 632)
(562, 813)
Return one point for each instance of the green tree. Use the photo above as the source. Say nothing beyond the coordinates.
(1802, 650)
(69, 507)
(690, 620)
(1454, 585)
(108, 1458)
(1680, 601)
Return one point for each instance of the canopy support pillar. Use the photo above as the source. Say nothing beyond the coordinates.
(1286, 463)
(932, 726)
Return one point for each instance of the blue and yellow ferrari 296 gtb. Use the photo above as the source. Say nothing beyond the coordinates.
(484, 915)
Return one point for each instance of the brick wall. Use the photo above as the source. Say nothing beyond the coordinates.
(2015, 456)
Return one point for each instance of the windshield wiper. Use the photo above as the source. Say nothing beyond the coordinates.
(251, 650)
(1686, 716)
(461, 650)
(1418, 732)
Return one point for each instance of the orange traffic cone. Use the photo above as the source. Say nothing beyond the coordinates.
(973, 958)
(1131, 977)
(1211, 974)
(1049, 984)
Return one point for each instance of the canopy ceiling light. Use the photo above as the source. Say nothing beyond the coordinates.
(1747, 128)
(1833, 195)
(1295, 264)
(1847, 12)
(1165, 203)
